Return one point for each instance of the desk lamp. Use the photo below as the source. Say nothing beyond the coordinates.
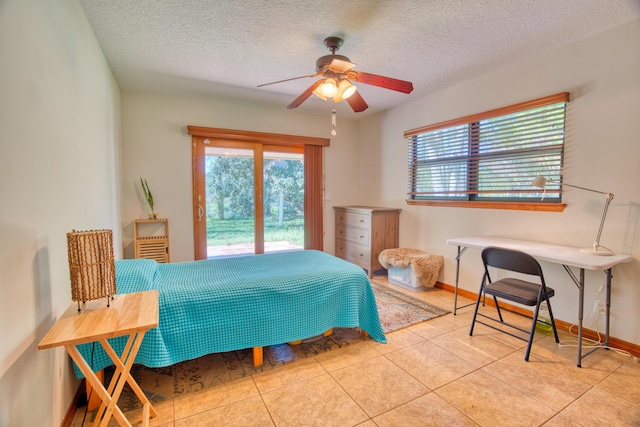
(91, 265)
(540, 182)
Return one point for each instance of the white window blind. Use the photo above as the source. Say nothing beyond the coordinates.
(491, 156)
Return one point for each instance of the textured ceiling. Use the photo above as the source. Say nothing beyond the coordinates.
(225, 48)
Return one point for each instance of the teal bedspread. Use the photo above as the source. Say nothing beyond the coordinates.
(236, 303)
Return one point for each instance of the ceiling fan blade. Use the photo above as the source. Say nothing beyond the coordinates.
(380, 81)
(340, 65)
(288, 80)
(304, 95)
(357, 103)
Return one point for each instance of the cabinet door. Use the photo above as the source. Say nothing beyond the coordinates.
(151, 239)
(153, 248)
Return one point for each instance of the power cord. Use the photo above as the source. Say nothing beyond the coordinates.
(594, 343)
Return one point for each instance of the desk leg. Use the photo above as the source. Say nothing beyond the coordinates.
(605, 344)
(609, 275)
(580, 316)
(461, 250)
(580, 284)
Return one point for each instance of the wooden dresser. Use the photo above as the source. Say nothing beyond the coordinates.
(362, 232)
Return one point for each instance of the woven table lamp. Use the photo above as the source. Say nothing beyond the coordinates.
(91, 265)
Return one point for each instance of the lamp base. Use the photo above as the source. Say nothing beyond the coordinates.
(597, 251)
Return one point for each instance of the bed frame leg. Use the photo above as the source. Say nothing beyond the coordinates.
(93, 400)
(364, 333)
(257, 356)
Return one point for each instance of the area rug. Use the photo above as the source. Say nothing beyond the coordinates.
(396, 309)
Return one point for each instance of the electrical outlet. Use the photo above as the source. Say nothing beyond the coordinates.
(600, 307)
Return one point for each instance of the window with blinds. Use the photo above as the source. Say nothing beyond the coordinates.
(491, 156)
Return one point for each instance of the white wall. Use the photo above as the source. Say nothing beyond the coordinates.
(157, 148)
(59, 170)
(602, 151)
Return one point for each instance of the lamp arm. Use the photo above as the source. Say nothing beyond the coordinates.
(540, 181)
(543, 180)
(609, 198)
(587, 189)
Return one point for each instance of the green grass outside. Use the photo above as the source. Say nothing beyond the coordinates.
(235, 231)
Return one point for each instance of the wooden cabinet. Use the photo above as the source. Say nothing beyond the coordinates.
(362, 232)
(151, 239)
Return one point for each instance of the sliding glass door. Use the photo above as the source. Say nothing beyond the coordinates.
(255, 192)
(283, 177)
(230, 211)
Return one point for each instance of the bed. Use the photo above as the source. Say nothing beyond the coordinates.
(229, 304)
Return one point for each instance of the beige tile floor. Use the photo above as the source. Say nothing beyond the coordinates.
(430, 374)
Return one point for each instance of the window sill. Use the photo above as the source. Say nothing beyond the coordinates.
(514, 206)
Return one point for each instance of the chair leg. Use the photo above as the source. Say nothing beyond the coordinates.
(553, 322)
(532, 332)
(475, 312)
(495, 301)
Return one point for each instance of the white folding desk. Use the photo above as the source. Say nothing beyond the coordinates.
(566, 256)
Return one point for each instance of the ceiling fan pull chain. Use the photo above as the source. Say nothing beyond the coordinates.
(333, 122)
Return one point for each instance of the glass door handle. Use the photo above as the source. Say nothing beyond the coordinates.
(200, 212)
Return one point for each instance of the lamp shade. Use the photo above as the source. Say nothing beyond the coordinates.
(319, 94)
(345, 90)
(91, 264)
(539, 181)
(328, 88)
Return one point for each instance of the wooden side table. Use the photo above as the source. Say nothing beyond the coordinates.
(129, 315)
(154, 245)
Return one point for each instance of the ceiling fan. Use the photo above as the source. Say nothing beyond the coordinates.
(338, 77)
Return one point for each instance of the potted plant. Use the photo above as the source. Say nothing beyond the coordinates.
(149, 197)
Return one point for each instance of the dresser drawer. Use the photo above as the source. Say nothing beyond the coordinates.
(341, 248)
(352, 234)
(357, 254)
(354, 219)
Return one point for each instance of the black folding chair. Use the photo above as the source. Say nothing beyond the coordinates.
(515, 290)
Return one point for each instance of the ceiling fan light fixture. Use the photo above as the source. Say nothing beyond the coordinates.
(329, 88)
(319, 94)
(337, 74)
(345, 89)
(349, 91)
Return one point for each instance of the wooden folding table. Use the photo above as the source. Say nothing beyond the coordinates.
(129, 315)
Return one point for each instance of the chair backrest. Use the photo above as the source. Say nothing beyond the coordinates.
(508, 259)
